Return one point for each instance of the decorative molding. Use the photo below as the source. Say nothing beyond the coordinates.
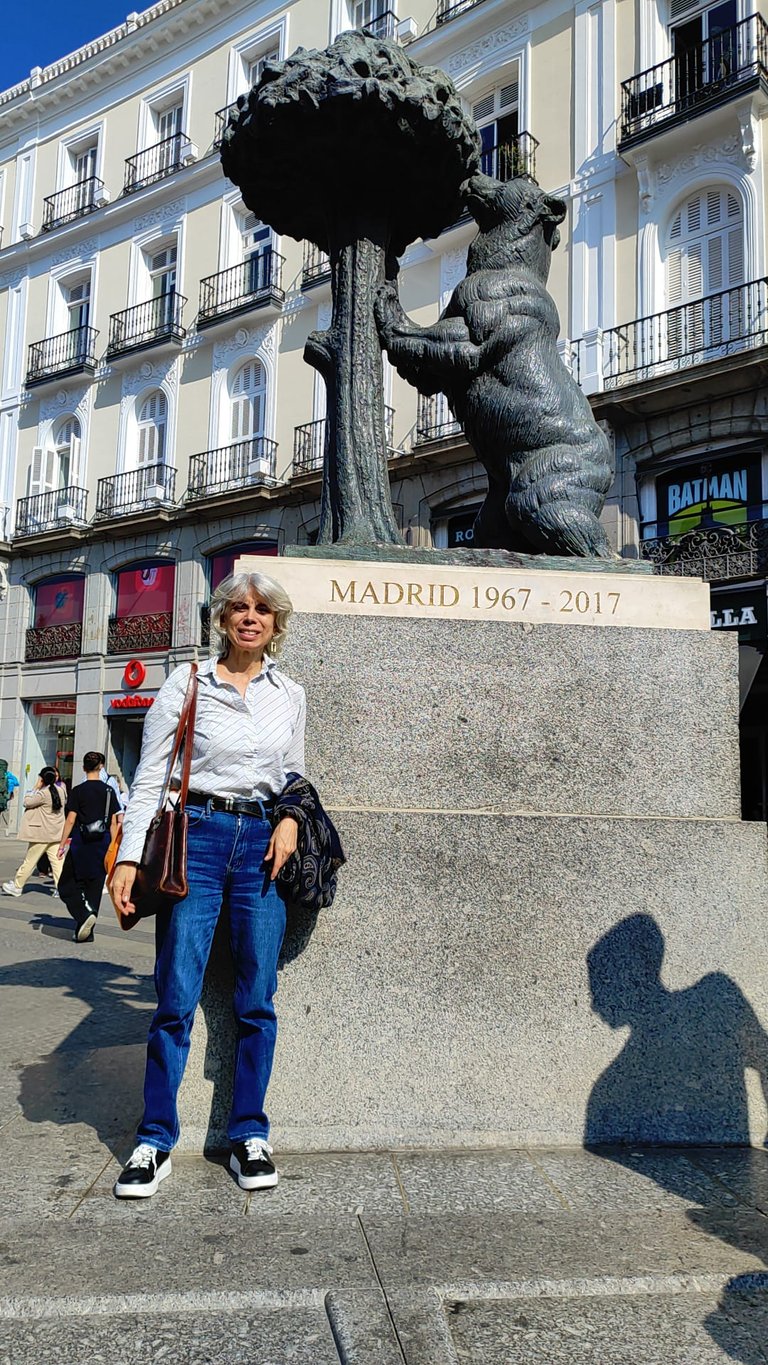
(704, 154)
(748, 130)
(453, 268)
(12, 279)
(78, 252)
(73, 400)
(486, 46)
(164, 371)
(245, 341)
(159, 215)
(646, 182)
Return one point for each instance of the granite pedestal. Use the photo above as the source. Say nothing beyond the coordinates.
(507, 794)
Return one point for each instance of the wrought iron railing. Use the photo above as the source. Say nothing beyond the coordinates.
(434, 419)
(51, 511)
(147, 323)
(222, 119)
(317, 267)
(136, 491)
(162, 159)
(53, 642)
(245, 464)
(718, 325)
(67, 353)
(309, 443)
(384, 25)
(451, 9)
(254, 281)
(715, 553)
(506, 160)
(139, 634)
(701, 76)
(73, 202)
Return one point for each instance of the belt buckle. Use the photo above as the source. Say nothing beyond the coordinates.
(229, 804)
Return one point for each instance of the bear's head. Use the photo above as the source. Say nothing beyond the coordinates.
(515, 217)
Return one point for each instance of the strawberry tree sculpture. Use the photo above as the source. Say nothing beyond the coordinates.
(361, 151)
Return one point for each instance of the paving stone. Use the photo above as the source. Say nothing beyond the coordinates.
(334, 1182)
(472, 1248)
(196, 1188)
(639, 1330)
(743, 1170)
(297, 1336)
(630, 1178)
(444, 1182)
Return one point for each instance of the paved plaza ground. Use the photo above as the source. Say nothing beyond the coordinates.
(505, 1257)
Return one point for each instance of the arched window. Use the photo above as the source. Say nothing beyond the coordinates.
(66, 439)
(705, 271)
(249, 392)
(152, 422)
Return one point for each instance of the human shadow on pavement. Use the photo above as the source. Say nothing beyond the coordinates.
(680, 1081)
(94, 1074)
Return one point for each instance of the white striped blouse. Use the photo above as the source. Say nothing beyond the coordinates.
(242, 747)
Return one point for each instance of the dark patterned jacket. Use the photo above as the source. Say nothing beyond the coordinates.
(308, 879)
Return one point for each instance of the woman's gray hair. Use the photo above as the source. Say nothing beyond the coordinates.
(237, 587)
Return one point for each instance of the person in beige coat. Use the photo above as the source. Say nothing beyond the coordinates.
(43, 826)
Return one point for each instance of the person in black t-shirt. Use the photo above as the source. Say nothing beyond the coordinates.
(91, 804)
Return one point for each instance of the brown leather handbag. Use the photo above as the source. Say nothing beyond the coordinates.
(161, 877)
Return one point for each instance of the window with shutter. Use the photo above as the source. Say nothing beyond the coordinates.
(705, 271)
(248, 401)
(66, 440)
(152, 419)
(497, 119)
(256, 66)
(42, 471)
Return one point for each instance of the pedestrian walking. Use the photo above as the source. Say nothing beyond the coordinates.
(91, 820)
(249, 733)
(42, 825)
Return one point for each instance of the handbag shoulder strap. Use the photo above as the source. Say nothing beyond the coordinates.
(106, 808)
(184, 733)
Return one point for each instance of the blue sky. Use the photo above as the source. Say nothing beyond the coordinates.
(43, 30)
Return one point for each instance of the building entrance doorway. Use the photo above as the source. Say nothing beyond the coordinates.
(125, 734)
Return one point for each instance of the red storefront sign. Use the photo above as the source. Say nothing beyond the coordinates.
(55, 708)
(131, 702)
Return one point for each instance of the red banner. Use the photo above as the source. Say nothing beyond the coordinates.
(55, 708)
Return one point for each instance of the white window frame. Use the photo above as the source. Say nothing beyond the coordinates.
(491, 72)
(128, 435)
(145, 245)
(155, 426)
(177, 92)
(257, 44)
(60, 278)
(70, 147)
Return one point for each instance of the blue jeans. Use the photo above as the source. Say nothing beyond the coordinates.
(225, 862)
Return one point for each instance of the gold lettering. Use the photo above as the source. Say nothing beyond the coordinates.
(448, 587)
(391, 601)
(344, 595)
(369, 591)
(414, 594)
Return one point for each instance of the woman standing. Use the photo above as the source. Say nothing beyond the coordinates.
(249, 732)
(91, 811)
(43, 826)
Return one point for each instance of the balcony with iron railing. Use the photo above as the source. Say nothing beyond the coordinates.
(309, 443)
(317, 267)
(446, 11)
(234, 468)
(147, 324)
(722, 68)
(434, 419)
(715, 551)
(158, 161)
(505, 161)
(730, 322)
(74, 202)
(222, 117)
(383, 25)
(140, 490)
(68, 353)
(254, 283)
(139, 634)
(53, 642)
(52, 511)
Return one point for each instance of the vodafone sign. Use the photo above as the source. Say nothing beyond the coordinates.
(127, 703)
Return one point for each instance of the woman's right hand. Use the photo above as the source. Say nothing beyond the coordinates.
(121, 886)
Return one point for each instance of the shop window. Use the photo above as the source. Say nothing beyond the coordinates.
(706, 495)
(223, 564)
(454, 530)
(59, 601)
(144, 589)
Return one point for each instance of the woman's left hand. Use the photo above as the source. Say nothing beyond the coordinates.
(283, 843)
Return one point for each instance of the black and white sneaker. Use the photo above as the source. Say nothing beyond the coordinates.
(250, 1161)
(145, 1169)
(84, 931)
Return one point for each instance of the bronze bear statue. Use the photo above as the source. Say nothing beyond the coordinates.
(493, 353)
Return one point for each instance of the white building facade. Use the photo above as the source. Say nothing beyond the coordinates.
(156, 414)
